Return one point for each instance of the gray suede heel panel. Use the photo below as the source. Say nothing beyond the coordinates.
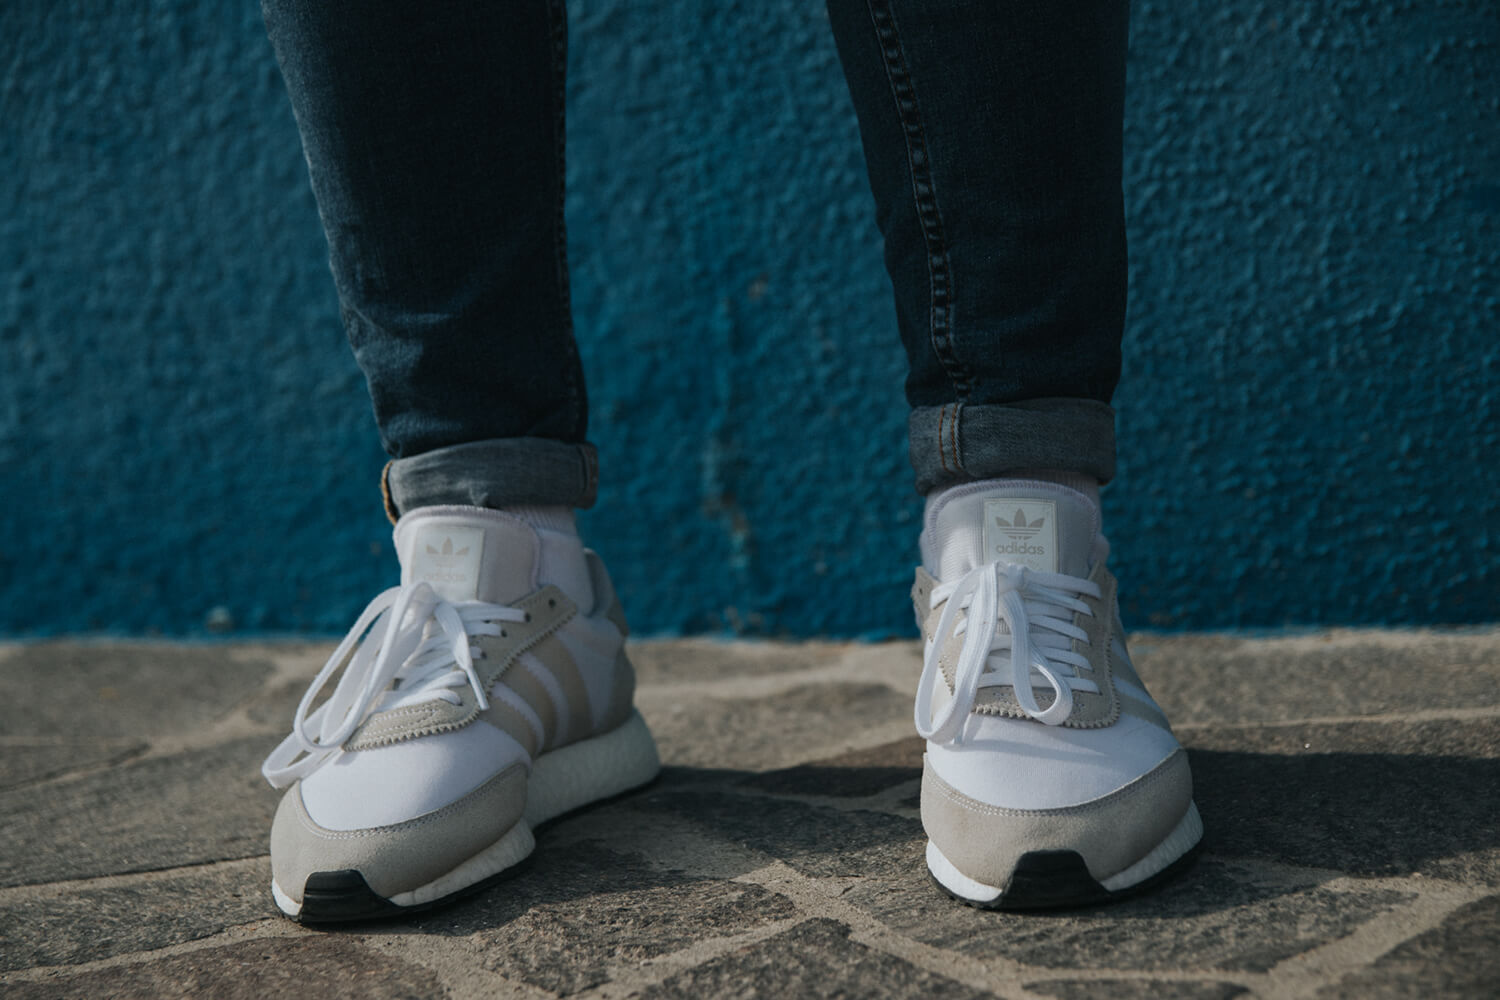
(400, 857)
(1111, 833)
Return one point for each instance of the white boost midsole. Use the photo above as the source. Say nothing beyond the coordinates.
(560, 781)
(1187, 832)
(590, 770)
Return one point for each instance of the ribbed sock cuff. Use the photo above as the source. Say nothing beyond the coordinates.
(559, 519)
(1082, 482)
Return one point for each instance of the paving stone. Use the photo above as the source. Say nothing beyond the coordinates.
(1382, 799)
(856, 774)
(758, 733)
(26, 763)
(62, 925)
(677, 660)
(109, 691)
(1290, 809)
(1460, 958)
(1135, 989)
(189, 808)
(816, 841)
(576, 914)
(670, 844)
(328, 965)
(1200, 679)
(1216, 916)
(273, 705)
(1219, 915)
(813, 959)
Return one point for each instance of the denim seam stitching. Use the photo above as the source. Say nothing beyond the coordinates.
(942, 422)
(924, 192)
(958, 459)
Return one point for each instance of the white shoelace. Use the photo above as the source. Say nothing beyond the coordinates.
(416, 641)
(1037, 608)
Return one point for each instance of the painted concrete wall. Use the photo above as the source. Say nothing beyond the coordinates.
(1308, 423)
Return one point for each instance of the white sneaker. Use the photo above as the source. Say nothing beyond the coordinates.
(486, 694)
(1051, 777)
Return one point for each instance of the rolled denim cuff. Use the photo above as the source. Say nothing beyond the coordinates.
(502, 472)
(957, 443)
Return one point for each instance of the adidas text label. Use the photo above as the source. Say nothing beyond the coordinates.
(1022, 532)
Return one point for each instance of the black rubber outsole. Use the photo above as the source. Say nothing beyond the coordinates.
(1059, 880)
(344, 897)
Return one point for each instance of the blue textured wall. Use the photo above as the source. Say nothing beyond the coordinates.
(1308, 415)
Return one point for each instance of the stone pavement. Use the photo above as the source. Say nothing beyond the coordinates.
(1350, 782)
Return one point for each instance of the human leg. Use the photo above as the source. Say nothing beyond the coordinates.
(434, 141)
(489, 691)
(993, 135)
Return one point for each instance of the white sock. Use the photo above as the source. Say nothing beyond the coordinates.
(1083, 483)
(559, 519)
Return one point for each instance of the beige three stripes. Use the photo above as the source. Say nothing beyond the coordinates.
(542, 683)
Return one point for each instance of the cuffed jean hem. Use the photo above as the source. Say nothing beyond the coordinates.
(957, 443)
(502, 472)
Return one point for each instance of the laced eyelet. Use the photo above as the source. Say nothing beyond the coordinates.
(528, 616)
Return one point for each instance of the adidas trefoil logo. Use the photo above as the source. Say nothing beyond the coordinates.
(1019, 528)
(447, 557)
(1018, 540)
(447, 566)
(450, 557)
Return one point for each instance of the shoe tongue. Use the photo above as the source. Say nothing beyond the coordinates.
(1036, 524)
(468, 553)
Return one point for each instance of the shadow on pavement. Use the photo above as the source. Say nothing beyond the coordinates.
(1358, 814)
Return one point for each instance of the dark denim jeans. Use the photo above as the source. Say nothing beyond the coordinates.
(992, 133)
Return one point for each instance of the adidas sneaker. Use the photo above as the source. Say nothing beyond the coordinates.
(486, 694)
(1051, 777)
